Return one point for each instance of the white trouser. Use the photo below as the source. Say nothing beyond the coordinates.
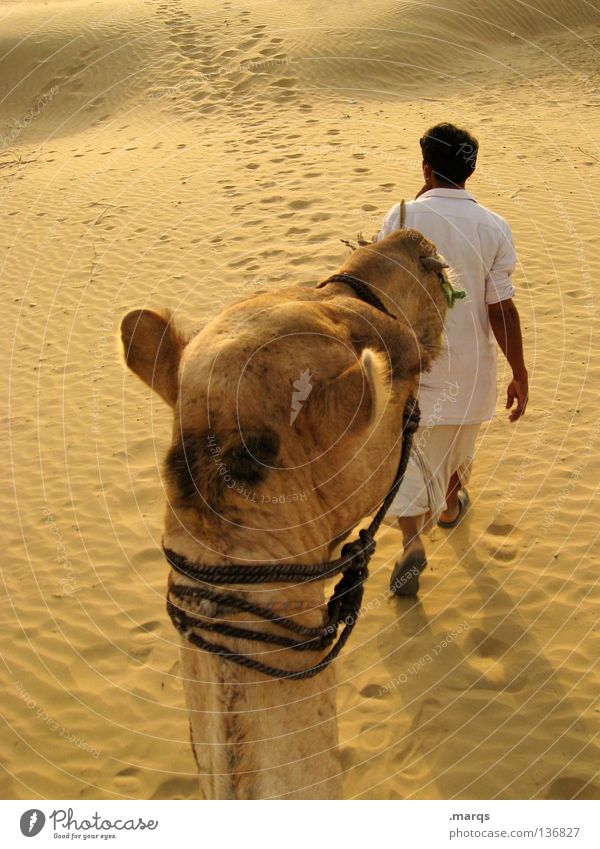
(437, 453)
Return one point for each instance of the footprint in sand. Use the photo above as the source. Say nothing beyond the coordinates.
(373, 691)
(572, 788)
(153, 625)
(285, 83)
(498, 666)
(349, 757)
(485, 645)
(299, 204)
(127, 783)
(177, 788)
(140, 655)
(502, 541)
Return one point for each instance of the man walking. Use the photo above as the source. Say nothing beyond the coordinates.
(459, 393)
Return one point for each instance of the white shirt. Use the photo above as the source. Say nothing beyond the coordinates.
(478, 245)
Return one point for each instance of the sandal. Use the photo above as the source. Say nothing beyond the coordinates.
(405, 577)
(463, 504)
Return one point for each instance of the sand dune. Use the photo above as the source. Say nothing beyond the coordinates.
(180, 154)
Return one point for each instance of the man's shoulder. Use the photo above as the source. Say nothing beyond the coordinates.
(493, 219)
(392, 213)
(393, 210)
(468, 205)
(469, 208)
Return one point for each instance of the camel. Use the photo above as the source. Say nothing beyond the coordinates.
(286, 434)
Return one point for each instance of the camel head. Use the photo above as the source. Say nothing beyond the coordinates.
(288, 406)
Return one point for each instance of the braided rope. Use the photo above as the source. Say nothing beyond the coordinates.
(342, 609)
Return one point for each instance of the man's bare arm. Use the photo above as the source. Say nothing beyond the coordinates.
(506, 326)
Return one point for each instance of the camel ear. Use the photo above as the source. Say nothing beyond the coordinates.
(152, 348)
(351, 402)
(434, 263)
(408, 356)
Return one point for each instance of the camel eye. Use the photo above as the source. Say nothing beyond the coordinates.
(250, 460)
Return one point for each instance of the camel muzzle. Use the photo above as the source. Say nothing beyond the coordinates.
(343, 607)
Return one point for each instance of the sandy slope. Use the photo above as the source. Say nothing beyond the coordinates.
(180, 153)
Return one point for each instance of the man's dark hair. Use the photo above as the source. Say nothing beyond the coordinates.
(451, 152)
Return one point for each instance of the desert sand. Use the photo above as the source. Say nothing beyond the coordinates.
(182, 154)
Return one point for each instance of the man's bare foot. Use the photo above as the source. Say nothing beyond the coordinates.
(405, 577)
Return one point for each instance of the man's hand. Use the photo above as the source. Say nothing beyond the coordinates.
(518, 390)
